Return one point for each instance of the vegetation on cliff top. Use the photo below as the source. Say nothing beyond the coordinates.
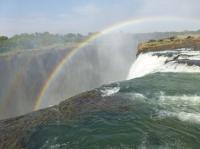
(174, 42)
(48, 41)
(38, 41)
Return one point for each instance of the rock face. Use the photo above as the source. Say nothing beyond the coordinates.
(170, 43)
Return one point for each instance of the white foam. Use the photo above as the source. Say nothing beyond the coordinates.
(175, 67)
(191, 117)
(109, 91)
(149, 63)
(176, 106)
(145, 64)
(190, 100)
(140, 96)
(182, 116)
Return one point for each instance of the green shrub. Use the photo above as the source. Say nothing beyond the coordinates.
(2, 38)
(172, 38)
(151, 40)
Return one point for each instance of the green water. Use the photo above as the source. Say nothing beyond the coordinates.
(160, 110)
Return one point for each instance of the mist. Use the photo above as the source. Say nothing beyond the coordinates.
(103, 61)
(24, 73)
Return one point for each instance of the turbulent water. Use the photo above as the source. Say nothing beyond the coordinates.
(180, 60)
(159, 107)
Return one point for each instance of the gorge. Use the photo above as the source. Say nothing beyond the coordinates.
(156, 107)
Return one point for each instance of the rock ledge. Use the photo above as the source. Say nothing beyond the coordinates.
(170, 44)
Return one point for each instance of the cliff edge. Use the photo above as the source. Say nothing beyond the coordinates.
(189, 41)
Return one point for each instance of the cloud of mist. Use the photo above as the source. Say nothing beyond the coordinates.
(103, 61)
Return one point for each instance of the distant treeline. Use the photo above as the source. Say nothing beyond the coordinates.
(37, 40)
(47, 40)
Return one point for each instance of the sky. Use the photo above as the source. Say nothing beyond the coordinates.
(83, 16)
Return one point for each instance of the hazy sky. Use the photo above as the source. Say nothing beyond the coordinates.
(63, 16)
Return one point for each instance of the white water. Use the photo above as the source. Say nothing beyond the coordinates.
(145, 64)
(182, 116)
(187, 100)
(150, 63)
(177, 106)
(171, 106)
(109, 91)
